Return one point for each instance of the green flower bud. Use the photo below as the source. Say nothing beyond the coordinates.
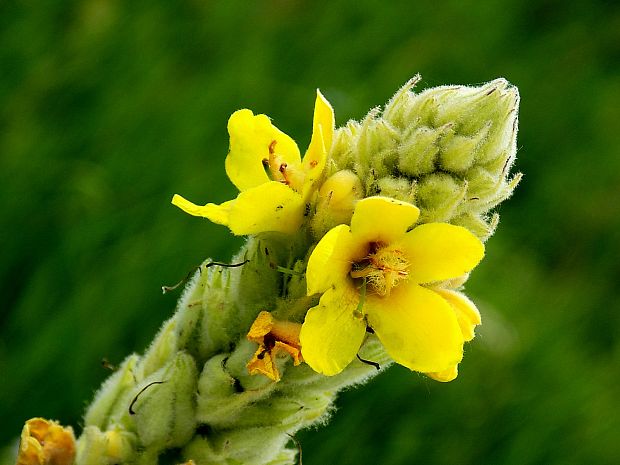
(106, 448)
(165, 412)
(481, 226)
(162, 349)
(222, 398)
(424, 142)
(438, 197)
(398, 188)
(115, 392)
(457, 152)
(454, 145)
(247, 446)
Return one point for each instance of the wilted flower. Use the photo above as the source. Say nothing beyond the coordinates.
(46, 442)
(273, 337)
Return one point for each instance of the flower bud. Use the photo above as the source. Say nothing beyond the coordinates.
(337, 197)
(115, 391)
(438, 197)
(454, 145)
(397, 188)
(424, 142)
(114, 446)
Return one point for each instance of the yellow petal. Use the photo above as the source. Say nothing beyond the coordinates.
(272, 206)
(330, 262)
(382, 219)
(322, 136)
(263, 324)
(287, 332)
(293, 351)
(250, 140)
(332, 334)
(264, 363)
(466, 312)
(282, 331)
(217, 213)
(446, 375)
(439, 251)
(264, 360)
(323, 119)
(417, 328)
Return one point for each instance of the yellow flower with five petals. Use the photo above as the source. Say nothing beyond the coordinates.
(380, 274)
(265, 164)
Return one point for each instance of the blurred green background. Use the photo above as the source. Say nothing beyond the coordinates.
(107, 108)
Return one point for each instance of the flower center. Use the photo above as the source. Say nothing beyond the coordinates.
(278, 170)
(383, 268)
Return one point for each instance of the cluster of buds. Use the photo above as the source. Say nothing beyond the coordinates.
(355, 258)
(448, 150)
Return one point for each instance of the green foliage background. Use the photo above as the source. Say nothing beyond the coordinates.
(107, 108)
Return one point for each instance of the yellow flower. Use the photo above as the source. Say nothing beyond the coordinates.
(377, 274)
(273, 337)
(275, 184)
(45, 442)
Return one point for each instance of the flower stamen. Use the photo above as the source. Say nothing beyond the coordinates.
(279, 170)
(384, 267)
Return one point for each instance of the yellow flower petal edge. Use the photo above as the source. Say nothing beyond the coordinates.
(217, 213)
(382, 219)
(323, 127)
(465, 310)
(269, 207)
(418, 329)
(441, 251)
(272, 206)
(330, 261)
(445, 376)
(323, 124)
(332, 332)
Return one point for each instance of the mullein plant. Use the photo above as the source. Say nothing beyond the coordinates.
(355, 258)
